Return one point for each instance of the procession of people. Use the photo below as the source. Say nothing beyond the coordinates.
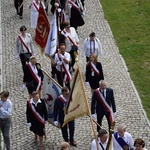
(64, 63)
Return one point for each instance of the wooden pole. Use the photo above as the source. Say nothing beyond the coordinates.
(51, 78)
(22, 4)
(82, 83)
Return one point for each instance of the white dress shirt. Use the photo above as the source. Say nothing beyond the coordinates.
(67, 57)
(90, 47)
(6, 109)
(127, 138)
(94, 145)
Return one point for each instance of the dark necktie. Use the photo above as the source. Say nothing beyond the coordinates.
(103, 94)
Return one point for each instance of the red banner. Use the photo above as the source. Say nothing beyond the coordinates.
(42, 29)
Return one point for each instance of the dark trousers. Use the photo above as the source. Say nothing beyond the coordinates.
(21, 9)
(24, 58)
(5, 127)
(99, 120)
(16, 6)
(60, 77)
(87, 59)
(65, 131)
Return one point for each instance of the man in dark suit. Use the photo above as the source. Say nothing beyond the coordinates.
(59, 106)
(104, 103)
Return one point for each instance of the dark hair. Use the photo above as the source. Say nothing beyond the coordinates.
(102, 132)
(92, 34)
(34, 93)
(65, 24)
(62, 44)
(64, 89)
(4, 94)
(140, 142)
(23, 28)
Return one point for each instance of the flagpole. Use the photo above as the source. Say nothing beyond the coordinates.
(51, 78)
(76, 59)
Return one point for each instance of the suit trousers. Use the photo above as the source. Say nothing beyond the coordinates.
(60, 77)
(65, 131)
(5, 127)
(99, 120)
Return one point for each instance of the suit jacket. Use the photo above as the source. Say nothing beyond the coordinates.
(28, 77)
(59, 111)
(89, 72)
(96, 103)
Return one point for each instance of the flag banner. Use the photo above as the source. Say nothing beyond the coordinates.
(51, 91)
(42, 29)
(77, 103)
(52, 41)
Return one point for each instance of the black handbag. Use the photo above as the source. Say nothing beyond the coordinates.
(30, 84)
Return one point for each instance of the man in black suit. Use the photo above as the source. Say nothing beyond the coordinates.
(59, 106)
(104, 103)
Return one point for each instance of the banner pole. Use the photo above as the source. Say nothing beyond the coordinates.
(95, 136)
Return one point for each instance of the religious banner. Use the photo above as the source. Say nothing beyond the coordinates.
(77, 104)
(52, 41)
(42, 29)
(51, 90)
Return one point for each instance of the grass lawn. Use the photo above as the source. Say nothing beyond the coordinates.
(130, 24)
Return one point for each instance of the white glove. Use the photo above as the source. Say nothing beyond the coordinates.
(45, 122)
(59, 63)
(82, 55)
(17, 56)
(23, 87)
(62, 56)
(29, 124)
(93, 116)
(56, 123)
(87, 83)
(114, 113)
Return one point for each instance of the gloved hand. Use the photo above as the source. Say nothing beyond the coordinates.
(45, 122)
(62, 56)
(29, 124)
(82, 55)
(56, 123)
(93, 116)
(59, 63)
(87, 83)
(114, 113)
(17, 56)
(23, 87)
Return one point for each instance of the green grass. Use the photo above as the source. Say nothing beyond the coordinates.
(130, 24)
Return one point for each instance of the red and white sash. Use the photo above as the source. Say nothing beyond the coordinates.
(74, 5)
(105, 105)
(62, 99)
(67, 73)
(35, 5)
(65, 33)
(35, 113)
(24, 45)
(36, 77)
(93, 67)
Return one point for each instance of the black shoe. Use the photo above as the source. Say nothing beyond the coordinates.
(73, 143)
(20, 17)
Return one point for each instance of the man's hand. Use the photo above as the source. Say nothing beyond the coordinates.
(62, 56)
(59, 63)
(87, 83)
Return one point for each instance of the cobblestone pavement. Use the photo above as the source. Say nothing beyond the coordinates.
(129, 108)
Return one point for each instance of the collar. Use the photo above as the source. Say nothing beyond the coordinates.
(102, 90)
(32, 102)
(99, 141)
